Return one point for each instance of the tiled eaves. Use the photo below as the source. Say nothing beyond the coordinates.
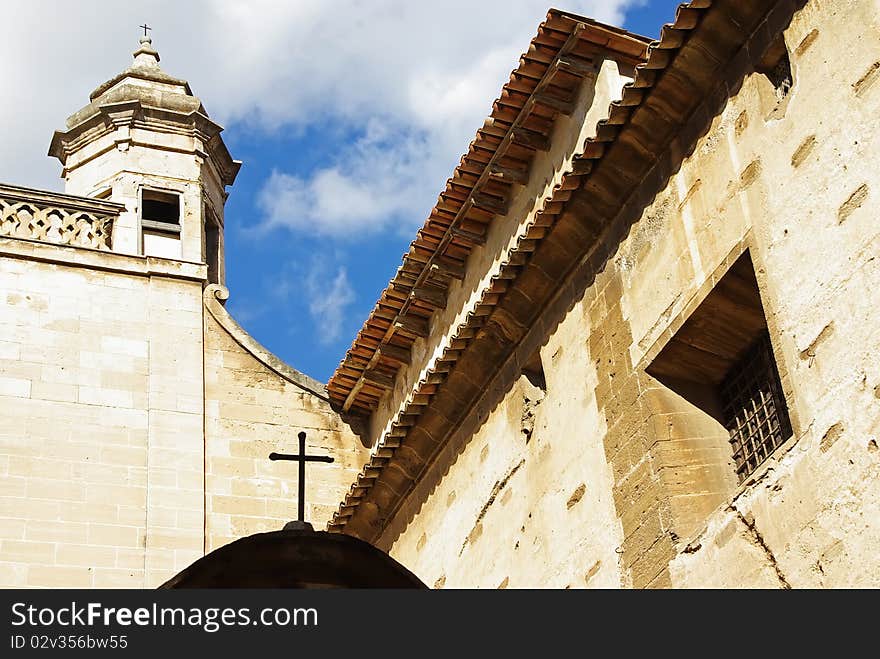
(604, 195)
(566, 48)
(682, 85)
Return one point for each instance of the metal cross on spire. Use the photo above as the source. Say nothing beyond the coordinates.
(145, 28)
(302, 458)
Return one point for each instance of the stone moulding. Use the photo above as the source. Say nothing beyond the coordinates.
(100, 260)
(214, 296)
(57, 218)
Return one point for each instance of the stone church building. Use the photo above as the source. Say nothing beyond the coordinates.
(634, 344)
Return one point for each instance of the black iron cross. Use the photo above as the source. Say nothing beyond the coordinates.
(146, 27)
(302, 458)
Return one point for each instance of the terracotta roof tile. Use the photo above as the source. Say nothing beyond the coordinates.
(406, 433)
(566, 47)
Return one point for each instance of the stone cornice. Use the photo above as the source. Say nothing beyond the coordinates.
(50, 198)
(214, 295)
(83, 257)
(148, 75)
(108, 118)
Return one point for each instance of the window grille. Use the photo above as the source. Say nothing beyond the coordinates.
(754, 407)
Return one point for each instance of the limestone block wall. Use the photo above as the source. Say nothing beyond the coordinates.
(792, 180)
(804, 178)
(788, 183)
(527, 501)
(254, 405)
(100, 417)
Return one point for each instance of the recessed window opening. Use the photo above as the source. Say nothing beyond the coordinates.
(212, 249)
(160, 210)
(754, 408)
(721, 362)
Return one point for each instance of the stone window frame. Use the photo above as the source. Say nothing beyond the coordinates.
(746, 244)
(152, 225)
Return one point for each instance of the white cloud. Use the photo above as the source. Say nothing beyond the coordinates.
(412, 79)
(424, 111)
(321, 284)
(329, 296)
(386, 175)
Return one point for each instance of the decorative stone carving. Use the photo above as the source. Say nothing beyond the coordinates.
(57, 218)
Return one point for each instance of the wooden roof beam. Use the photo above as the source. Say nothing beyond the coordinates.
(530, 139)
(509, 174)
(378, 379)
(433, 295)
(415, 325)
(491, 203)
(395, 353)
(555, 103)
(469, 236)
(446, 267)
(577, 66)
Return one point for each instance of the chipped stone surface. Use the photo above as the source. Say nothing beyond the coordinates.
(853, 203)
(791, 183)
(519, 494)
(816, 507)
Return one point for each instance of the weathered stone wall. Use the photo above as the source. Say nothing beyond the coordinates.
(498, 510)
(100, 417)
(791, 181)
(527, 502)
(802, 180)
(787, 182)
(255, 405)
(104, 421)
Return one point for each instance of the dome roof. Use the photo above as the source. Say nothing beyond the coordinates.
(296, 559)
(143, 81)
(146, 96)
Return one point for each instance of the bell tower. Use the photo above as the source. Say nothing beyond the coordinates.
(145, 141)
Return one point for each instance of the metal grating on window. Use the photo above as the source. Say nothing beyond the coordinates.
(754, 407)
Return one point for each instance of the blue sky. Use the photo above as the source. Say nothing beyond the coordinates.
(349, 117)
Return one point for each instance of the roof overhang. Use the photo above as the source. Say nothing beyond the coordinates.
(566, 49)
(684, 83)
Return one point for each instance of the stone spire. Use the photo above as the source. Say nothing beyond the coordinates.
(146, 55)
